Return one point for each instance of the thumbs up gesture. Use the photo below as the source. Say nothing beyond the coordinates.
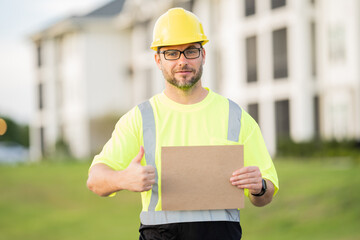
(139, 178)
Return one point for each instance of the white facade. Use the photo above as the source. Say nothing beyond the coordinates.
(319, 94)
(291, 64)
(339, 73)
(84, 85)
(298, 87)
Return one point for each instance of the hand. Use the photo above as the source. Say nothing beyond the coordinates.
(139, 178)
(248, 177)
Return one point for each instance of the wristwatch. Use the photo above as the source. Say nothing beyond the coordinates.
(263, 189)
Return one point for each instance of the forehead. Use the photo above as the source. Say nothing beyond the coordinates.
(181, 47)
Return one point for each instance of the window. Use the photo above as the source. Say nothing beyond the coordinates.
(316, 117)
(282, 119)
(277, 3)
(313, 48)
(250, 7)
(147, 31)
(38, 54)
(42, 141)
(40, 96)
(253, 110)
(251, 59)
(280, 61)
(186, 4)
(337, 50)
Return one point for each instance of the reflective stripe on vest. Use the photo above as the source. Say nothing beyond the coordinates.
(152, 217)
(149, 135)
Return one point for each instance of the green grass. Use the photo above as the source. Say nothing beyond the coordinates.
(51, 201)
(317, 200)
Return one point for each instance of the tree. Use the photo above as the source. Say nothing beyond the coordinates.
(15, 133)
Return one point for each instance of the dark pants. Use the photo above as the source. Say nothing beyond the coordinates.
(192, 231)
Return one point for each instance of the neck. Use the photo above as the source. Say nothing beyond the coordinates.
(189, 96)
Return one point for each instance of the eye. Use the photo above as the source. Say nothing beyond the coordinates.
(171, 53)
(192, 51)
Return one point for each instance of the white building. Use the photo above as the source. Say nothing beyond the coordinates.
(291, 64)
(82, 82)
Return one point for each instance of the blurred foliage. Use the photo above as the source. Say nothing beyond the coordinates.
(61, 153)
(16, 133)
(319, 148)
(101, 129)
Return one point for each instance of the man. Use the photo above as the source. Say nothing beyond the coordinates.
(185, 114)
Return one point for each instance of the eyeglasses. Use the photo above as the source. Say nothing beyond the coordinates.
(190, 53)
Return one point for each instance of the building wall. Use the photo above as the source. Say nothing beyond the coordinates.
(319, 95)
(108, 84)
(85, 80)
(339, 68)
(297, 86)
(294, 68)
(44, 123)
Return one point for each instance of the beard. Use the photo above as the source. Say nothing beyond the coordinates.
(183, 84)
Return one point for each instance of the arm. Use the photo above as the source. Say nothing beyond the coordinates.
(104, 181)
(250, 177)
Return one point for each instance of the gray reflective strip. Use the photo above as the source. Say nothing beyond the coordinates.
(163, 217)
(234, 121)
(149, 136)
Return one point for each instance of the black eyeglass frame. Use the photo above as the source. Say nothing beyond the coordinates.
(181, 52)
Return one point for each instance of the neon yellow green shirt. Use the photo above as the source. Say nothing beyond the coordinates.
(203, 123)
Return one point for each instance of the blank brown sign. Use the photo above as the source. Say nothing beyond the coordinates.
(198, 177)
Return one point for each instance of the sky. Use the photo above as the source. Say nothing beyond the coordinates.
(18, 20)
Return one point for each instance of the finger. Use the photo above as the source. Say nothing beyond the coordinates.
(151, 181)
(249, 186)
(139, 156)
(249, 175)
(149, 169)
(247, 182)
(151, 176)
(145, 188)
(246, 170)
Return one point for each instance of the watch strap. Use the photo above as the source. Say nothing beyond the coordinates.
(263, 189)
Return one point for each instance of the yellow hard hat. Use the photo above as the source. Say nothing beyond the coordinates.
(177, 26)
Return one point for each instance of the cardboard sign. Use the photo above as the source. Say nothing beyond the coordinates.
(198, 177)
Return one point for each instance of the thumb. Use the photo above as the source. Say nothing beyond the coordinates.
(140, 155)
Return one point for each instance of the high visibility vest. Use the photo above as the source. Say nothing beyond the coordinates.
(152, 217)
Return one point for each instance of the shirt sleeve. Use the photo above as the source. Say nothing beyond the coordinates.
(256, 153)
(124, 143)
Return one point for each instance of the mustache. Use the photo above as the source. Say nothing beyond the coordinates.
(185, 68)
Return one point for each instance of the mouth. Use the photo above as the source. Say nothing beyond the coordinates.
(184, 71)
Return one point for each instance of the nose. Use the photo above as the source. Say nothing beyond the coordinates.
(182, 59)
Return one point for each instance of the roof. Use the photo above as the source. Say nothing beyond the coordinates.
(110, 9)
(105, 12)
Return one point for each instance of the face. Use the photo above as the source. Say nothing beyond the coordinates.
(182, 73)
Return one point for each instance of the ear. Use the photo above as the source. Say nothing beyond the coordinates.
(157, 60)
(203, 55)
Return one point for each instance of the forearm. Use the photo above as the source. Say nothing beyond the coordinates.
(264, 199)
(103, 180)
